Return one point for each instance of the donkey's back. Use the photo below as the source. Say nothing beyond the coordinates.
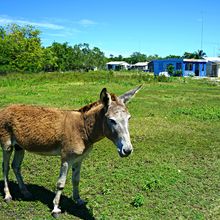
(30, 126)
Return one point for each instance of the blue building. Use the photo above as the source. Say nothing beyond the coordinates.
(185, 67)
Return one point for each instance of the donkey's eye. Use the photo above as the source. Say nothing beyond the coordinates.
(112, 121)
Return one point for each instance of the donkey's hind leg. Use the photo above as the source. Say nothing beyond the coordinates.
(5, 167)
(16, 166)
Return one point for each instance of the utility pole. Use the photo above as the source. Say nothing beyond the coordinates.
(202, 32)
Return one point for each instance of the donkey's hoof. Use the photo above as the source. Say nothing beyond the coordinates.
(56, 214)
(8, 199)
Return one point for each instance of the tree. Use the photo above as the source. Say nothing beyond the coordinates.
(49, 60)
(199, 54)
(137, 57)
(153, 57)
(188, 55)
(64, 55)
(20, 49)
(117, 58)
(172, 56)
(99, 58)
(79, 57)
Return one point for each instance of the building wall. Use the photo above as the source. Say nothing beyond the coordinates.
(194, 69)
(188, 68)
(218, 70)
(209, 69)
(213, 69)
(161, 65)
(116, 67)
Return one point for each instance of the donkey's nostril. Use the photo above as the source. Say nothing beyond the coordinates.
(127, 151)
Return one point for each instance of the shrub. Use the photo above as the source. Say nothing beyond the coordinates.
(162, 78)
(177, 73)
(138, 200)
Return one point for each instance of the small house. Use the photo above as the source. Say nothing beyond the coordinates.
(179, 66)
(194, 67)
(117, 65)
(141, 66)
(161, 66)
(213, 66)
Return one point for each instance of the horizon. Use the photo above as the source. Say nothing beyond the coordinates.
(122, 27)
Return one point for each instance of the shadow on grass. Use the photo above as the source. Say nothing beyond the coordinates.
(46, 197)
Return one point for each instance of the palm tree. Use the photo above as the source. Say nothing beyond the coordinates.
(199, 54)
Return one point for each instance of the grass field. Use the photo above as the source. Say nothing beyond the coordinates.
(174, 172)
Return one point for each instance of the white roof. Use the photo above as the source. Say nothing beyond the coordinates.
(123, 63)
(195, 60)
(141, 64)
(213, 59)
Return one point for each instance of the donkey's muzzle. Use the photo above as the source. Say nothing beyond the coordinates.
(125, 152)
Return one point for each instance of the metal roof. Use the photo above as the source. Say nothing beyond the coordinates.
(123, 63)
(213, 59)
(195, 60)
(141, 64)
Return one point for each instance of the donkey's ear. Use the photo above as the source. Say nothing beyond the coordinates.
(128, 95)
(105, 97)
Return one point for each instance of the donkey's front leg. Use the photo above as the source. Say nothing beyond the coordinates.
(60, 185)
(75, 181)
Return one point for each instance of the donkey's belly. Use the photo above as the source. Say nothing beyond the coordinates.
(54, 152)
(43, 147)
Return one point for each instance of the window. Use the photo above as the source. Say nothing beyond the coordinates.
(178, 66)
(189, 66)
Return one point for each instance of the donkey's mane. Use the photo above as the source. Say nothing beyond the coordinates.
(90, 106)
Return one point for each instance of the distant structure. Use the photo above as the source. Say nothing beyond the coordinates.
(122, 65)
(141, 66)
(206, 67)
(213, 66)
(117, 65)
(184, 67)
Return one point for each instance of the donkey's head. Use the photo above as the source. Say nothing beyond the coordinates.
(116, 120)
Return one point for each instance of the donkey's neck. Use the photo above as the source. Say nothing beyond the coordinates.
(94, 120)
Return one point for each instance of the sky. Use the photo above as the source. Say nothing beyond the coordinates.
(122, 27)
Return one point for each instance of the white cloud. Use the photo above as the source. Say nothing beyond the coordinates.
(47, 25)
(52, 29)
(86, 22)
(4, 21)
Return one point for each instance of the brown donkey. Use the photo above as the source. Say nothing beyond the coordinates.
(71, 134)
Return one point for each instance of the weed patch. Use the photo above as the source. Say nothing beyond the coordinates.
(152, 184)
(202, 113)
(138, 201)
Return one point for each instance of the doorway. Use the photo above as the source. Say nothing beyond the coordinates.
(197, 69)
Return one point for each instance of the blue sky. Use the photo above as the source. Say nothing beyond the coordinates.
(121, 27)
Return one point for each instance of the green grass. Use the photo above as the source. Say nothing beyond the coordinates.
(174, 172)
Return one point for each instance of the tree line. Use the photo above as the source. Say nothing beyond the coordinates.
(21, 50)
(139, 57)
